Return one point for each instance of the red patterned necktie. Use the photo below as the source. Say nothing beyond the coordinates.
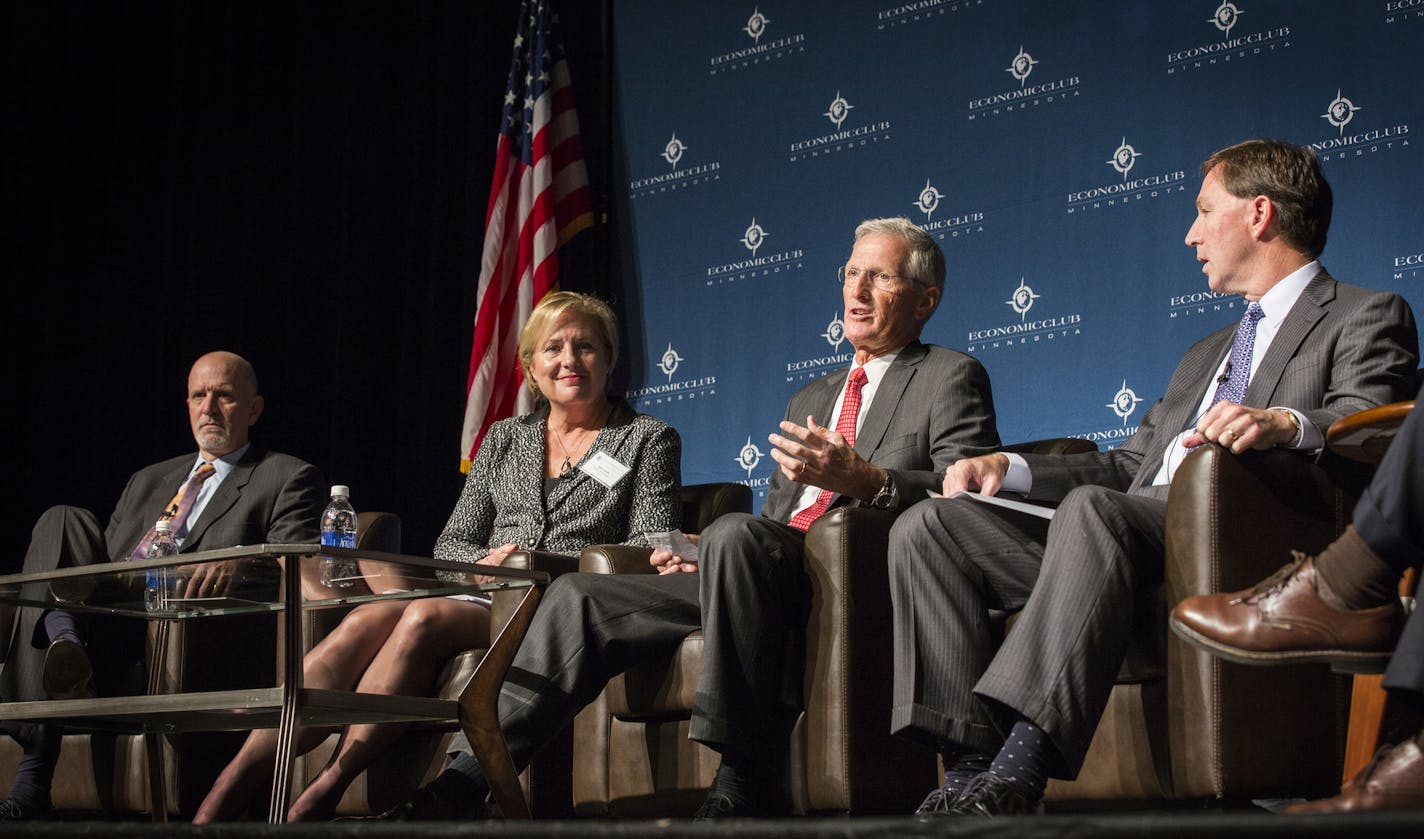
(845, 425)
(177, 509)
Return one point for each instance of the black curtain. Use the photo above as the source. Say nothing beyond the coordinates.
(301, 183)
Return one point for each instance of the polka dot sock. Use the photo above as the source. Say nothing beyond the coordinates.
(1023, 760)
(962, 766)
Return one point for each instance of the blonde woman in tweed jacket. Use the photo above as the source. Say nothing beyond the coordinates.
(579, 470)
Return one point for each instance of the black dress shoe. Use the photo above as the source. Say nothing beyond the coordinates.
(11, 810)
(719, 805)
(426, 806)
(990, 795)
(67, 673)
(938, 802)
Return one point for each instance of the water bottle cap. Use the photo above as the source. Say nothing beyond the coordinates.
(342, 490)
(163, 526)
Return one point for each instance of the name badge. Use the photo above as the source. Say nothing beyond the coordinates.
(602, 467)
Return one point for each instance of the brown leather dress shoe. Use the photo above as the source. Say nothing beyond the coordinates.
(1394, 780)
(1283, 620)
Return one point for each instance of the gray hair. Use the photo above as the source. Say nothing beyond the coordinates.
(926, 260)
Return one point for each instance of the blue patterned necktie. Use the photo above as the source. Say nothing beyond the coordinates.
(1238, 366)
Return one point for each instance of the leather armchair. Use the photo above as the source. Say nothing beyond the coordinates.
(1187, 725)
(628, 762)
(632, 757)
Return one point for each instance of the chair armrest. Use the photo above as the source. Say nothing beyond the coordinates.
(615, 559)
(378, 531)
(504, 602)
(1232, 519)
(1052, 445)
(849, 751)
(552, 563)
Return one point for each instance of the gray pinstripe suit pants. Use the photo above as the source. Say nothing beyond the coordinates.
(952, 561)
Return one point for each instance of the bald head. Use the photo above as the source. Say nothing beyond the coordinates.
(223, 402)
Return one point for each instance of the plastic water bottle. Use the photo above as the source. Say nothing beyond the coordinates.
(158, 582)
(338, 530)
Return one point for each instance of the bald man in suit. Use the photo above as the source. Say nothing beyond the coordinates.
(1311, 350)
(245, 496)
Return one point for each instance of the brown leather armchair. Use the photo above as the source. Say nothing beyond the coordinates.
(1183, 724)
(632, 757)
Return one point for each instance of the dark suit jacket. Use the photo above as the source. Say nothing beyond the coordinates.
(933, 407)
(1341, 349)
(268, 497)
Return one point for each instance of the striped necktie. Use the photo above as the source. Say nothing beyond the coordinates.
(177, 509)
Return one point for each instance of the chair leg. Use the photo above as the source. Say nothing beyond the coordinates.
(1369, 706)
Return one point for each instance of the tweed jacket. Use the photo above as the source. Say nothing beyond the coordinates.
(503, 501)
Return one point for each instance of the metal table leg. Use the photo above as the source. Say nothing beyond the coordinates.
(479, 710)
(288, 726)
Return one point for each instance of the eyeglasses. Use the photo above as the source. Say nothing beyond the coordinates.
(849, 274)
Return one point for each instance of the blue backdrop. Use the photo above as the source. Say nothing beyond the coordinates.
(1051, 146)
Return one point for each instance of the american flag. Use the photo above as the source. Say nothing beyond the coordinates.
(538, 200)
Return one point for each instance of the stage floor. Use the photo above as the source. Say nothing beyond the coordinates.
(1159, 824)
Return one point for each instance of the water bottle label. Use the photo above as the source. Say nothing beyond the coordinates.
(334, 539)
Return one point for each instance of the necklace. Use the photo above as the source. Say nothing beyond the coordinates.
(567, 466)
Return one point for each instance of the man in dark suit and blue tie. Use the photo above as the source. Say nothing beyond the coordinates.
(1308, 351)
(229, 493)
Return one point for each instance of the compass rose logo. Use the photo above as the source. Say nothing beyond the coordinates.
(1225, 17)
(756, 25)
(1023, 299)
(1124, 402)
(929, 199)
(839, 108)
(754, 237)
(1021, 66)
(1124, 158)
(672, 152)
(1340, 112)
(668, 363)
(749, 456)
(835, 332)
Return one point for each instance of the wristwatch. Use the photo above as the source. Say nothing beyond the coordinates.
(888, 498)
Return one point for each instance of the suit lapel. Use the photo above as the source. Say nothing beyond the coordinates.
(226, 495)
(1184, 395)
(887, 398)
(529, 455)
(1309, 308)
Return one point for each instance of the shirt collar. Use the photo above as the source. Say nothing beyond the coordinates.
(875, 368)
(1277, 302)
(223, 465)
